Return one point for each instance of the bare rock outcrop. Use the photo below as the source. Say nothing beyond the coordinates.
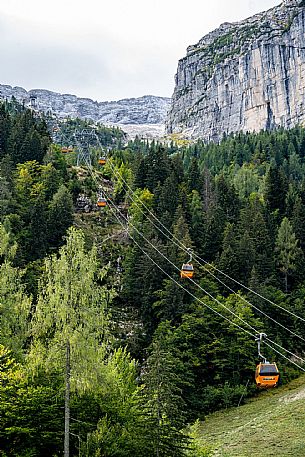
(145, 110)
(243, 76)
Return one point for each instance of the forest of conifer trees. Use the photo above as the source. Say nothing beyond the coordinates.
(149, 352)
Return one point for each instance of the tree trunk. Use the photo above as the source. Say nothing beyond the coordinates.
(67, 403)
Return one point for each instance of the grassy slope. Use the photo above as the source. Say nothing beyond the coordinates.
(273, 424)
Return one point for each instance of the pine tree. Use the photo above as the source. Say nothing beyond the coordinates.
(291, 197)
(158, 167)
(5, 197)
(253, 221)
(208, 195)
(140, 174)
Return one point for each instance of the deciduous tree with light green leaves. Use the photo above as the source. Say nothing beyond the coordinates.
(71, 305)
(69, 325)
(14, 303)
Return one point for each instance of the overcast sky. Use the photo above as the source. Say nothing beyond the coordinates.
(107, 49)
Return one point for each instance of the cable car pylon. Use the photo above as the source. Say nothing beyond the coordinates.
(84, 139)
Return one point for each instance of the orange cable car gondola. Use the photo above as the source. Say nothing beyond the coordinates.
(66, 149)
(101, 202)
(266, 373)
(102, 160)
(187, 269)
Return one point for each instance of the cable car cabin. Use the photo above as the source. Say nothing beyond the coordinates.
(64, 150)
(266, 375)
(102, 160)
(101, 202)
(187, 270)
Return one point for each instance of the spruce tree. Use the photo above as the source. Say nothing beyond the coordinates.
(4, 130)
(60, 216)
(287, 250)
(214, 229)
(163, 404)
(276, 187)
(227, 198)
(298, 222)
(193, 176)
(197, 220)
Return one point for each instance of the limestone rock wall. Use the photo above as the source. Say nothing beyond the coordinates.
(244, 76)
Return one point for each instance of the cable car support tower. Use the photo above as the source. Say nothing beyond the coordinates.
(84, 139)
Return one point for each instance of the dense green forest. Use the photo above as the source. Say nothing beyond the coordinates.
(149, 352)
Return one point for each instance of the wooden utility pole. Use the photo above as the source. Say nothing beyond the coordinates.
(67, 402)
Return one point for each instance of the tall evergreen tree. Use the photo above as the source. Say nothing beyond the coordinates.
(227, 198)
(194, 177)
(298, 222)
(182, 233)
(229, 259)
(214, 229)
(275, 189)
(197, 220)
(4, 130)
(163, 404)
(287, 250)
(60, 216)
(158, 167)
(167, 196)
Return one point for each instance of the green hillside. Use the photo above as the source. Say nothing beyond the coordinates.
(104, 347)
(271, 424)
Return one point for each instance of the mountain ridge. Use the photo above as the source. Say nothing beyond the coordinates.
(148, 109)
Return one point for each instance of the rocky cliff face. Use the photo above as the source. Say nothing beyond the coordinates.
(144, 110)
(248, 76)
